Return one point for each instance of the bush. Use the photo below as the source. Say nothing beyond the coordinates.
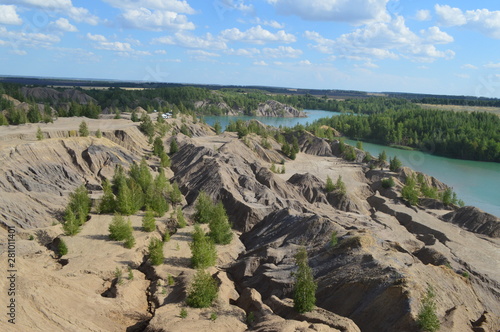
(203, 249)
(329, 184)
(394, 164)
(98, 133)
(83, 130)
(203, 208)
(203, 290)
(62, 248)
(409, 191)
(181, 220)
(382, 157)
(334, 239)
(340, 186)
(148, 221)
(175, 194)
(217, 127)
(119, 229)
(79, 203)
(39, 134)
(427, 319)
(129, 242)
(304, 292)
(156, 251)
(158, 148)
(71, 226)
(388, 183)
(108, 202)
(173, 146)
(183, 313)
(220, 228)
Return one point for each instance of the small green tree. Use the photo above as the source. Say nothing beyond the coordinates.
(359, 145)
(181, 220)
(395, 164)
(388, 183)
(158, 148)
(304, 293)
(79, 204)
(173, 146)
(71, 226)
(39, 134)
(119, 229)
(165, 160)
(340, 186)
(62, 248)
(129, 242)
(427, 318)
(156, 251)
(98, 133)
(203, 208)
(334, 239)
(382, 157)
(329, 184)
(83, 129)
(410, 191)
(124, 200)
(108, 202)
(148, 221)
(202, 291)
(217, 127)
(175, 194)
(220, 228)
(203, 249)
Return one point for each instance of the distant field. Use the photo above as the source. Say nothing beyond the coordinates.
(95, 87)
(457, 108)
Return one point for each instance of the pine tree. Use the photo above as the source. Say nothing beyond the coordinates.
(148, 221)
(108, 202)
(121, 230)
(124, 202)
(83, 129)
(304, 293)
(79, 204)
(34, 115)
(71, 226)
(203, 208)
(39, 134)
(62, 248)
(329, 184)
(181, 220)
(175, 194)
(217, 127)
(220, 228)
(158, 148)
(382, 157)
(203, 249)
(203, 290)
(173, 146)
(340, 186)
(394, 164)
(156, 251)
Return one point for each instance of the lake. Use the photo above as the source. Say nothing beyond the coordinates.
(477, 183)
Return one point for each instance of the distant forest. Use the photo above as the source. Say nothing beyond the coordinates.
(384, 120)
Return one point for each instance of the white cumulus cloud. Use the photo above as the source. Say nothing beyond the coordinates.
(8, 15)
(482, 20)
(156, 20)
(189, 40)
(282, 52)
(257, 35)
(63, 24)
(423, 15)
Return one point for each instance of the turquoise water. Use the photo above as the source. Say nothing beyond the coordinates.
(476, 183)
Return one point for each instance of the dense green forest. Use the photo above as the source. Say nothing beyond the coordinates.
(474, 136)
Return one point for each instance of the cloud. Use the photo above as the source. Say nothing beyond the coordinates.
(282, 52)
(122, 48)
(381, 40)
(8, 15)
(465, 76)
(468, 66)
(353, 11)
(482, 20)
(260, 63)
(169, 5)
(156, 20)
(492, 65)
(63, 24)
(271, 23)
(423, 15)
(249, 52)
(188, 40)
(305, 63)
(160, 52)
(257, 35)
(203, 53)
(66, 7)
(19, 40)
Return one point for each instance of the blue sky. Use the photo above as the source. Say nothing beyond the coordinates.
(421, 46)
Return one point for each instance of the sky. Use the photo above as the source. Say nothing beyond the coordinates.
(418, 46)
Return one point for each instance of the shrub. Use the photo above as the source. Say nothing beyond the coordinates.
(220, 228)
(340, 186)
(368, 157)
(329, 184)
(382, 157)
(359, 145)
(173, 146)
(304, 292)
(79, 203)
(181, 221)
(130, 273)
(175, 194)
(119, 229)
(165, 160)
(394, 164)
(148, 221)
(217, 127)
(158, 148)
(156, 251)
(203, 208)
(108, 202)
(39, 134)
(388, 183)
(98, 133)
(334, 239)
(71, 226)
(129, 242)
(62, 248)
(409, 191)
(203, 249)
(83, 130)
(203, 290)
(427, 319)
(183, 313)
